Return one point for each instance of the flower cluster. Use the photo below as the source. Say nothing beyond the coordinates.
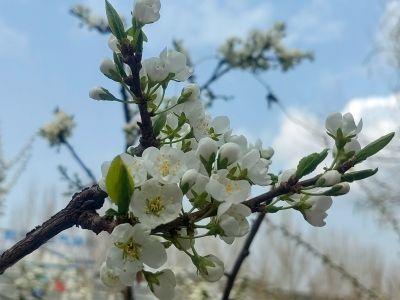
(191, 176)
(59, 129)
(254, 52)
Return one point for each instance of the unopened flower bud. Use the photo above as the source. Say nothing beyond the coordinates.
(229, 152)
(329, 178)
(189, 178)
(210, 267)
(206, 147)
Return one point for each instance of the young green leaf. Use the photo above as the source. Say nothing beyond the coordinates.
(115, 22)
(159, 123)
(120, 185)
(309, 163)
(120, 66)
(374, 147)
(358, 175)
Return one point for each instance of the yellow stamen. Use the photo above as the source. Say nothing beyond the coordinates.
(154, 206)
(130, 249)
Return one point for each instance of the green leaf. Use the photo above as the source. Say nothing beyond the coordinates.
(358, 175)
(115, 22)
(120, 185)
(159, 123)
(374, 147)
(111, 212)
(120, 66)
(309, 163)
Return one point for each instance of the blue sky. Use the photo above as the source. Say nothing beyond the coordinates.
(48, 61)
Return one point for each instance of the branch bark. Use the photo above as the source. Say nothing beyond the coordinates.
(81, 211)
(242, 255)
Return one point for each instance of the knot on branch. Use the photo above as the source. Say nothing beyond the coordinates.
(91, 198)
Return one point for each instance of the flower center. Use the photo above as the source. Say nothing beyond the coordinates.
(164, 168)
(154, 206)
(229, 187)
(130, 250)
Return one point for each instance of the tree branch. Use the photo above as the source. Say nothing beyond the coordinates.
(88, 172)
(133, 58)
(242, 255)
(81, 211)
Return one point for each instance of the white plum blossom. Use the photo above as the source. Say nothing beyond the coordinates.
(113, 44)
(169, 62)
(147, 11)
(344, 122)
(316, 214)
(211, 268)
(175, 63)
(215, 128)
(105, 166)
(193, 90)
(229, 153)
(196, 184)
(352, 146)
(108, 68)
(256, 167)
(164, 286)
(156, 204)
(184, 240)
(168, 164)
(265, 153)
(330, 178)
(190, 178)
(155, 69)
(233, 221)
(132, 247)
(240, 140)
(173, 123)
(58, 129)
(226, 190)
(110, 277)
(135, 167)
(206, 147)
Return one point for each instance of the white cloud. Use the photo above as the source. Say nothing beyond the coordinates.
(295, 141)
(200, 24)
(380, 116)
(315, 24)
(209, 23)
(12, 41)
(388, 33)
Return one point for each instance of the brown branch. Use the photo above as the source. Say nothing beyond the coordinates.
(133, 58)
(81, 211)
(78, 212)
(242, 255)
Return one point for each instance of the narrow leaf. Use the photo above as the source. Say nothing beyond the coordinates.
(374, 147)
(159, 123)
(115, 22)
(358, 175)
(309, 163)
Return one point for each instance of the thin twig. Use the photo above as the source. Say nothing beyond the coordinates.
(242, 255)
(325, 259)
(75, 155)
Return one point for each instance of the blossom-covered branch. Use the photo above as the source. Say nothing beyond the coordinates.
(190, 176)
(81, 211)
